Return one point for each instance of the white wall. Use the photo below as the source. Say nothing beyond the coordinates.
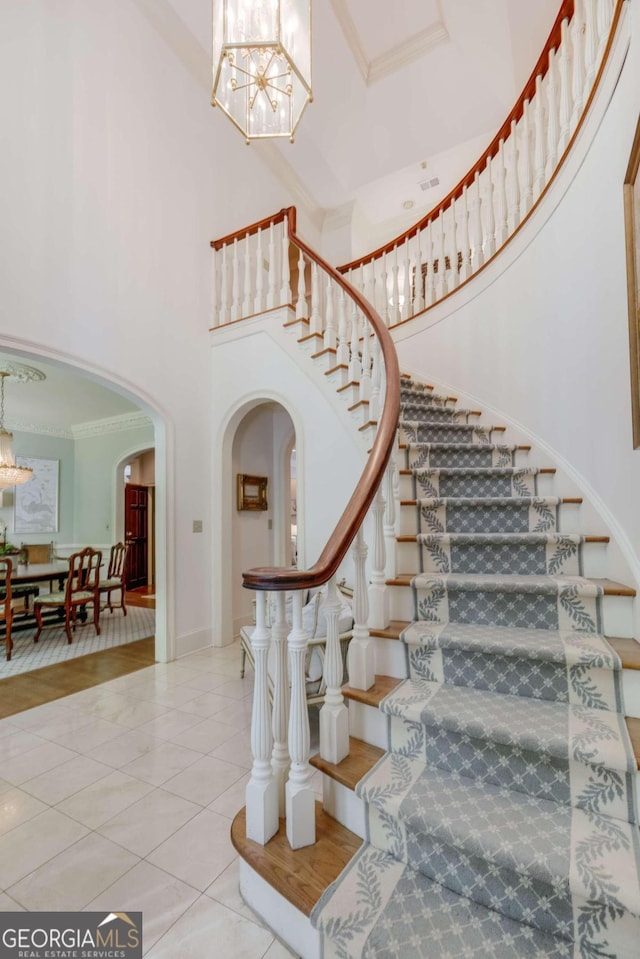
(541, 337)
(116, 174)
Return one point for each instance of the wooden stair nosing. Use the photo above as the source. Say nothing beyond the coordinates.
(358, 404)
(382, 686)
(609, 586)
(403, 472)
(587, 539)
(367, 425)
(334, 369)
(347, 385)
(291, 323)
(327, 349)
(361, 759)
(403, 446)
(310, 336)
(299, 875)
(565, 499)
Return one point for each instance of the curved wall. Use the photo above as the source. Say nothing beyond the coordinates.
(541, 336)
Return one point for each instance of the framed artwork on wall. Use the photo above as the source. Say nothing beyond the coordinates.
(252, 492)
(36, 502)
(632, 237)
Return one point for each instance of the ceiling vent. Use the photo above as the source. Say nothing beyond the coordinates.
(429, 184)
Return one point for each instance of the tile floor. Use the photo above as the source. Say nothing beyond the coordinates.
(121, 798)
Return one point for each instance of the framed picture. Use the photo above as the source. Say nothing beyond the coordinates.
(252, 492)
(632, 237)
(36, 502)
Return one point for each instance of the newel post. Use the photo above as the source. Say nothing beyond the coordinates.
(261, 795)
(280, 715)
(334, 717)
(299, 797)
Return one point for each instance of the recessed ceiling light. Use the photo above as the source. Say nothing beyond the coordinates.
(408, 205)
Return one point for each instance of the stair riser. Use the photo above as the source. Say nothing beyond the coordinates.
(453, 432)
(412, 414)
(471, 456)
(369, 724)
(481, 519)
(338, 378)
(351, 395)
(616, 612)
(343, 804)
(481, 486)
(462, 559)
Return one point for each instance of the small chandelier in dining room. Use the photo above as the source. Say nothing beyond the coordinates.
(262, 64)
(10, 474)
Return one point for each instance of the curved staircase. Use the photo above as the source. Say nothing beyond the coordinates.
(501, 819)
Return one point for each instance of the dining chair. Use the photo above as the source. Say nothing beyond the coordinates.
(81, 590)
(6, 610)
(115, 577)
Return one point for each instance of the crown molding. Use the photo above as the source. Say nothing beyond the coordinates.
(395, 57)
(111, 424)
(19, 426)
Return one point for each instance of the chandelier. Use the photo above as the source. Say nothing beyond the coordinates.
(262, 64)
(10, 474)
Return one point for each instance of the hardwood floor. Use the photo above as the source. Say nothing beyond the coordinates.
(145, 596)
(52, 682)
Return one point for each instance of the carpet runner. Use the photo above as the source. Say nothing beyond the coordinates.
(503, 820)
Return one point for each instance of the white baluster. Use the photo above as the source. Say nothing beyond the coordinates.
(565, 88)
(299, 797)
(430, 291)
(258, 303)
(383, 291)
(378, 597)
(224, 288)
(280, 714)
(590, 41)
(513, 206)
(271, 292)
(390, 497)
(578, 72)
(261, 795)
(405, 311)
(354, 360)
(235, 282)
(375, 405)
(525, 159)
(370, 285)
(465, 246)
(539, 149)
(215, 300)
(316, 317)
(334, 716)
(301, 305)
(342, 356)
(361, 651)
(247, 299)
(603, 21)
(477, 256)
(441, 276)
(454, 275)
(418, 280)
(502, 229)
(553, 122)
(490, 217)
(330, 327)
(285, 289)
(365, 376)
(394, 311)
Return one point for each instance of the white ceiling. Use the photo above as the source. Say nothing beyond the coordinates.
(398, 83)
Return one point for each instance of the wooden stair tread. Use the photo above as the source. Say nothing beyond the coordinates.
(403, 472)
(373, 696)
(334, 369)
(414, 502)
(347, 385)
(627, 649)
(403, 446)
(361, 759)
(358, 404)
(300, 875)
(291, 323)
(310, 336)
(633, 728)
(367, 425)
(609, 587)
(392, 631)
(327, 349)
(414, 538)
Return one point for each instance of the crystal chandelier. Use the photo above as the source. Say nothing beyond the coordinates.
(10, 474)
(262, 64)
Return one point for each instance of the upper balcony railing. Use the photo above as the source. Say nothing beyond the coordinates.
(456, 239)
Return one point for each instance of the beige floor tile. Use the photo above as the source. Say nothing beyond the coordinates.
(232, 800)
(149, 822)
(33, 843)
(7, 904)
(236, 750)
(37, 719)
(16, 807)
(204, 780)
(236, 714)
(236, 688)
(278, 950)
(16, 745)
(162, 763)
(207, 923)
(90, 737)
(226, 890)
(186, 856)
(71, 879)
(161, 899)
(103, 800)
(65, 780)
(208, 682)
(34, 762)
(208, 705)
(205, 735)
(171, 724)
(172, 697)
(125, 748)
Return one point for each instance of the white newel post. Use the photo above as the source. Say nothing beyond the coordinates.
(300, 800)
(261, 795)
(271, 292)
(391, 542)
(361, 650)
(280, 713)
(378, 605)
(301, 305)
(334, 716)
(285, 289)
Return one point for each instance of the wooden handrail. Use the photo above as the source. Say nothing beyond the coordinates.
(540, 70)
(280, 578)
(251, 230)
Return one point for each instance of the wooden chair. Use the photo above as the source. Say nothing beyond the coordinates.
(81, 590)
(115, 577)
(6, 610)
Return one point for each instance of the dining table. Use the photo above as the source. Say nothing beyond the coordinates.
(26, 581)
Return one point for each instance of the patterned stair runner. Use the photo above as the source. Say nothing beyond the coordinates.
(503, 820)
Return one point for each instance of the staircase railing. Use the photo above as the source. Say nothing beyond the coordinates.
(457, 239)
(254, 271)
